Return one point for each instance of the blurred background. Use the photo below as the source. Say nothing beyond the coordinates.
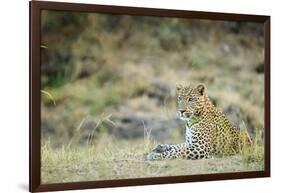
(115, 75)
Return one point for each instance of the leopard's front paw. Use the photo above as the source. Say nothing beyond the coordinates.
(153, 156)
(161, 148)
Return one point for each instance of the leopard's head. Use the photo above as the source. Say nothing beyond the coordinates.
(190, 100)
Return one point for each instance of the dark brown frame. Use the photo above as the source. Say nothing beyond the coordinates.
(35, 8)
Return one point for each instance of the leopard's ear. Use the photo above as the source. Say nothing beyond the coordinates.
(201, 88)
(179, 87)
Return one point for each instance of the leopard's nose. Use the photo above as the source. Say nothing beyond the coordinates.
(181, 111)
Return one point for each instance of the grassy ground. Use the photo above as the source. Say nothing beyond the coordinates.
(109, 158)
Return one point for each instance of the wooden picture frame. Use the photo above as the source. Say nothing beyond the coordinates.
(35, 99)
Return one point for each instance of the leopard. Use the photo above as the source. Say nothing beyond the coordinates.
(208, 132)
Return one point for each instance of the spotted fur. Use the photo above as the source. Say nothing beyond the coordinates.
(208, 131)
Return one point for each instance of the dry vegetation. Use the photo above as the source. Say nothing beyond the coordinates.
(111, 158)
(103, 74)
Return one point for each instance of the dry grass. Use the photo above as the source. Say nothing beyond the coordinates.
(109, 158)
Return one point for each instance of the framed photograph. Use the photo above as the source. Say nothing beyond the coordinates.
(123, 96)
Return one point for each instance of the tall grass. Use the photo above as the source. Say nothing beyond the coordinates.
(252, 152)
(148, 142)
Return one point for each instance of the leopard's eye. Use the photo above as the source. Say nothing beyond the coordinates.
(190, 99)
